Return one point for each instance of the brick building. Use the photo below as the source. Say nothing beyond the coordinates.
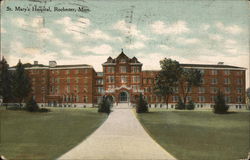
(123, 79)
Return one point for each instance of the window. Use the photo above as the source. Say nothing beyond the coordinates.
(214, 72)
(111, 86)
(150, 81)
(99, 81)
(201, 99)
(77, 71)
(176, 89)
(189, 98)
(85, 80)
(123, 69)
(77, 79)
(85, 99)
(68, 89)
(239, 99)
(135, 79)
(135, 87)
(135, 69)
(77, 98)
(68, 79)
(213, 98)
(239, 81)
(227, 99)
(239, 90)
(123, 79)
(145, 81)
(111, 69)
(110, 79)
(86, 70)
(227, 90)
(214, 90)
(189, 90)
(58, 80)
(76, 88)
(67, 72)
(57, 89)
(100, 90)
(226, 81)
(201, 90)
(227, 72)
(123, 60)
(175, 98)
(239, 72)
(214, 81)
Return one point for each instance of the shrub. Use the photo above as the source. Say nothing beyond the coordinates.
(220, 106)
(141, 105)
(180, 105)
(104, 106)
(190, 105)
(44, 110)
(31, 105)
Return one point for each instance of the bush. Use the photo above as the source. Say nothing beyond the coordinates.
(31, 105)
(180, 105)
(44, 110)
(141, 105)
(190, 105)
(104, 106)
(220, 106)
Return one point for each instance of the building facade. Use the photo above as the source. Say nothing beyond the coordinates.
(124, 80)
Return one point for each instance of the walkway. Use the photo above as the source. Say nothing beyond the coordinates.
(121, 137)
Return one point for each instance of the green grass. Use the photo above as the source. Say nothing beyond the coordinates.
(40, 136)
(200, 135)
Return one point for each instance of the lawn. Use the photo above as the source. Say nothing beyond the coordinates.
(200, 135)
(40, 136)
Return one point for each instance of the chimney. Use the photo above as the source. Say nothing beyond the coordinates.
(220, 63)
(35, 62)
(52, 63)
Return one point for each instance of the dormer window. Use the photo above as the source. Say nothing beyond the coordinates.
(123, 61)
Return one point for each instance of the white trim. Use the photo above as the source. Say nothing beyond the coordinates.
(54, 68)
(106, 64)
(218, 68)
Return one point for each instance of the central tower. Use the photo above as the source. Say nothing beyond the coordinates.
(122, 78)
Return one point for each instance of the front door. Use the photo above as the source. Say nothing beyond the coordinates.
(123, 97)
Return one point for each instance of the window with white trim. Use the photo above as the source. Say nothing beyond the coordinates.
(214, 81)
(135, 79)
(123, 69)
(214, 72)
(227, 81)
(123, 79)
(227, 90)
(201, 90)
(201, 98)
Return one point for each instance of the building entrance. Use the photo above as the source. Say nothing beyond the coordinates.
(123, 97)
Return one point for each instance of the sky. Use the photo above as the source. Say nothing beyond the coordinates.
(190, 31)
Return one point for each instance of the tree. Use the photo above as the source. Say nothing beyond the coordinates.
(21, 83)
(141, 105)
(5, 81)
(173, 75)
(166, 79)
(105, 105)
(220, 106)
(187, 79)
(248, 98)
(31, 105)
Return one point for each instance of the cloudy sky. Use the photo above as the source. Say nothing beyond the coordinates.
(198, 31)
